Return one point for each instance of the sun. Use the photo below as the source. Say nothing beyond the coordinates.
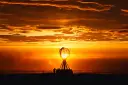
(64, 53)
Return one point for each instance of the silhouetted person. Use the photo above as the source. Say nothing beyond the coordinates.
(54, 70)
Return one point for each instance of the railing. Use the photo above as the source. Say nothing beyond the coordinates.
(48, 71)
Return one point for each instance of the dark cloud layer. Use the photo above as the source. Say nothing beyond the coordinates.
(48, 12)
(22, 16)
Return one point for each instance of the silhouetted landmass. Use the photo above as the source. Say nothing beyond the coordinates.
(108, 71)
(114, 66)
(51, 78)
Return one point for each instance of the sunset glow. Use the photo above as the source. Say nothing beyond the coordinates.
(32, 32)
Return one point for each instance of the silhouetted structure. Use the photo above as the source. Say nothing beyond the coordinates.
(64, 69)
(64, 65)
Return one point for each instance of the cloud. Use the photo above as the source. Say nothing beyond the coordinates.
(3, 26)
(22, 38)
(70, 34)
(49, 27)
(123, 31)
(55, 21)
(87, 7)
(60, 13)
(124, 12)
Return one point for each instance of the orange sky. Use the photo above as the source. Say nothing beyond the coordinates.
(46, 56)
(32, 32)
(98, 49)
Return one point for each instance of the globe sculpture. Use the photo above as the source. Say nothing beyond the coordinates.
(64, 69)
(64, 54)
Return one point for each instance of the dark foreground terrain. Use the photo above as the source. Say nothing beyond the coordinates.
(52, 79)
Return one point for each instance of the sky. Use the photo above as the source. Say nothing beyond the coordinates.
(89, 28)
